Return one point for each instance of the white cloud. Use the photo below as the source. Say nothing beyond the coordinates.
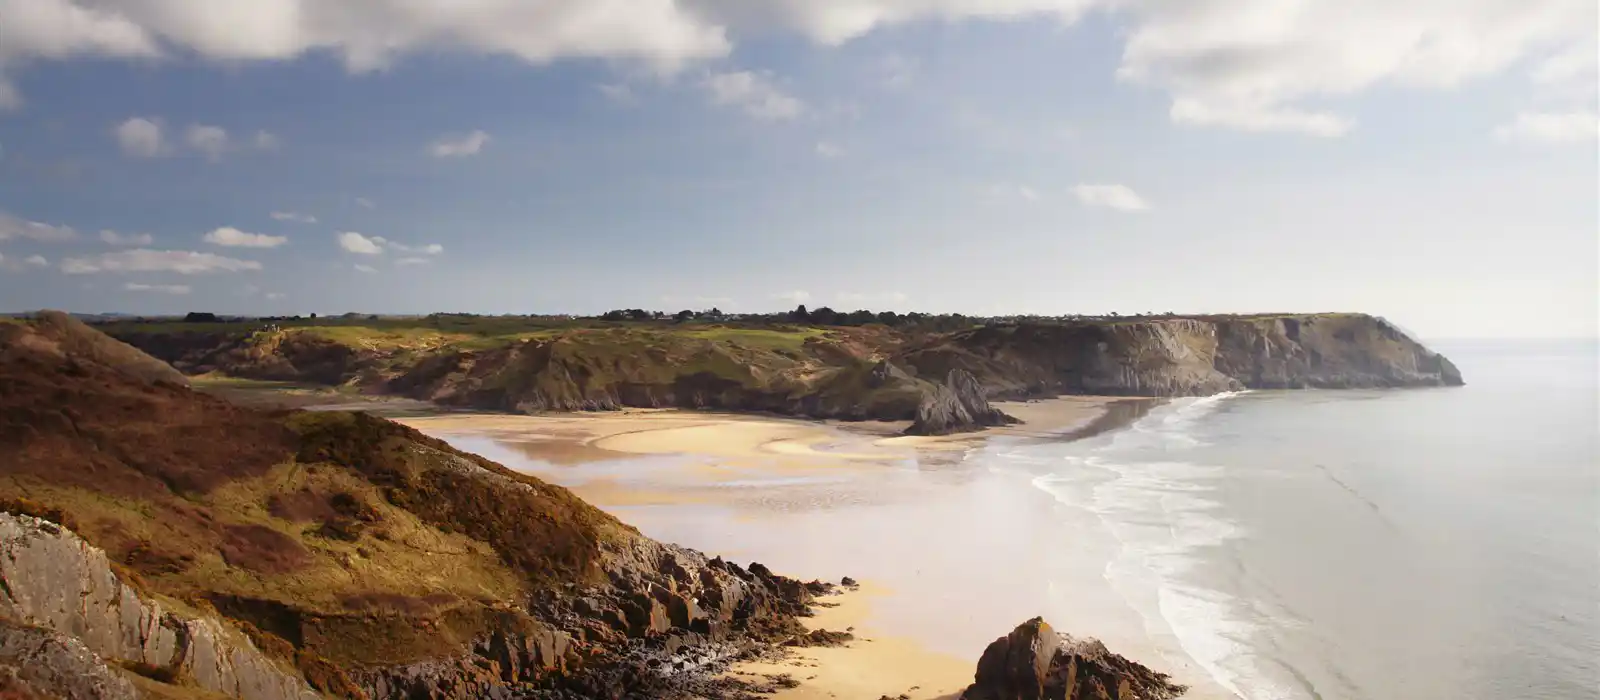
(365, 268)
(365, 203)
(354, 242)
(37, 261)
(1258, 117)
(1119, 197)
(1254, 64)
(837, 21)
(754, 93)
(454, 146)
(183, 262)
(367, 35)
(412, 261)
(232, 237)
(828, 149)
(619, 93)
(275, 296)
(12, 227)
(1251, 64)
(209, 140)
(796, 296)
(265, 141)
(161, 288)
(294, 217)
(1544, 127)
(140, 137)
(428, 249)
(125, 239)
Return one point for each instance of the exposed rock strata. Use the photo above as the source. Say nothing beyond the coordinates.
(1187, 356)
(958, 405)
(55, 581)
(1034, 662)
(586, 369)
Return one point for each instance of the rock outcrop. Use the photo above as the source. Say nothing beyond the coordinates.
(849, 374)
(36, 663)
(52, 580)
(1186, 356)
(958, 405)
(1034, 662)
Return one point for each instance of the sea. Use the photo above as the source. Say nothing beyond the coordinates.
(1422, 544)
(1364, 545)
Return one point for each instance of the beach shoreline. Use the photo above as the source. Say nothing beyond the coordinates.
(685, 476)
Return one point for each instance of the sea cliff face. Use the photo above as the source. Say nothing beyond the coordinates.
(843, 373)
(1188, 356)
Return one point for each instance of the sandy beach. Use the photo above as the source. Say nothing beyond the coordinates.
(824, 500)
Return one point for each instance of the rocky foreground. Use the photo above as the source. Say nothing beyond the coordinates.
(161, 543)
(942, 381)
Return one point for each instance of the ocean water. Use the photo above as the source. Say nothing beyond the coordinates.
(1431, 544)
(1418, 545)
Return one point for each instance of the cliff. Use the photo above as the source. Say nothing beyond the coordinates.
(273, 554)
(844, 373)
(1186, 356)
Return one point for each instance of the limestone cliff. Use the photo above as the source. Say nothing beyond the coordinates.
(852, 374)
(1186, 356)
(53, 580)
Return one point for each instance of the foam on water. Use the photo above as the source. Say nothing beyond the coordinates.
(1165, 526)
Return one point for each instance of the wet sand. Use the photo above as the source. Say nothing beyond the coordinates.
(823, 500)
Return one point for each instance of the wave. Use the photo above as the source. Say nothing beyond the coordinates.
(1154, 497)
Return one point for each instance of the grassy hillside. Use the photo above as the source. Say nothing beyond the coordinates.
(346, 542)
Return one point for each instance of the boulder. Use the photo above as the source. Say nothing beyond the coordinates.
(958, 405)
(1015, 667)
(1034, 662)
(39, 663)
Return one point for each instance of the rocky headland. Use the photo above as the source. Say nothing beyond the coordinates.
(158, 541)
(941, 381)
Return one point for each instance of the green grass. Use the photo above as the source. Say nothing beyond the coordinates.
(790, 340)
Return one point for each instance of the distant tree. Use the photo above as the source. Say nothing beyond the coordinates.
(313, 315)
(859, 317)
(683, 316)
(614, 315)
(825, 316)
(199, 317)
(638, 314)
(800, 314)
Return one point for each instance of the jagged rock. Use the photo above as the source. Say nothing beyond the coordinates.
(39, 663)
(1034, 662)
(1015, 666)
(885, 372)
(52, 579)
(958, 405)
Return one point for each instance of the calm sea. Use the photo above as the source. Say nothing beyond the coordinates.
(1416, 545)
(1434, 544)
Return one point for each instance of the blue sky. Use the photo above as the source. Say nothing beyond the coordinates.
(1435, 164)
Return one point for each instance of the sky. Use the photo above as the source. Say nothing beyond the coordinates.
(1430, 161)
